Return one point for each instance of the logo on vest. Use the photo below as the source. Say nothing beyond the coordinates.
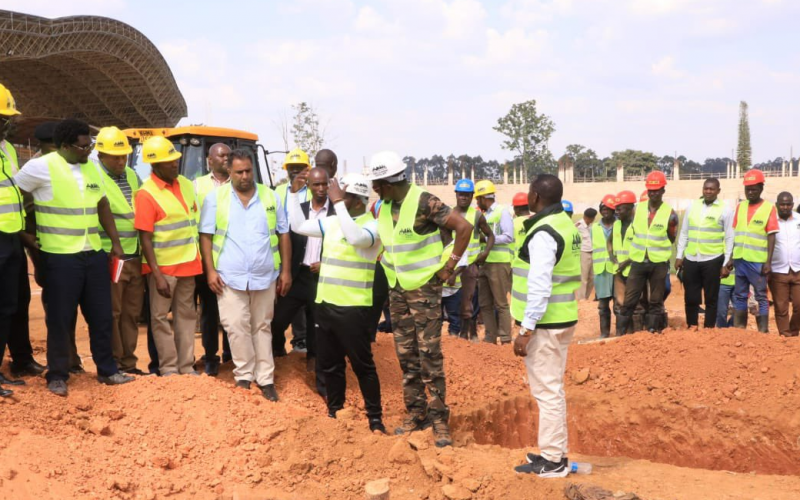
(658, 226)
(93, 186)
(270, 208)
(710, 218)
(757, 222)
(406, 232)
(576, 242)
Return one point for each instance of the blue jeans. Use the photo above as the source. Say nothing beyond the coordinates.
(451, 310)
(749, 274)
(724, 299)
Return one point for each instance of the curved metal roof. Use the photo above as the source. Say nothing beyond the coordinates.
(93, 68)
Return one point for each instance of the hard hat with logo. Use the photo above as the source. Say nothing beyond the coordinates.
(465, 186)
(484, 188)
(388, 166)
(520, 200)
(8, 106)
(624, 197)
(159, 149)
(655, 180)
(356, 184)
(609, 201)
(753, 177)
(644, 196)
(112, 141)
(296, 157)
(567, 206)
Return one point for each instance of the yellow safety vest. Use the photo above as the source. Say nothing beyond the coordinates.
(502, 252)
(519, 232)
(224, 200)
(64, 223)
(706, 233)
(651, 241)
(175, 236)
(750, 238)
(345, 277)
(448, 251)
(12, 211)
(730, 280)
(600, 261)
(123, 214)
(203, 186)
(282, 192)
(474, 247)
(562, 306)
(409, 259)
(620, 247)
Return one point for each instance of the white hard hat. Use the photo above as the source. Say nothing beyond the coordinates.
(356, 184)
(387, 165)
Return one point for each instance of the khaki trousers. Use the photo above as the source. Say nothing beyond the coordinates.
(587, 277)
(494, 285)
(126, 304)
(785, 288)
(546, 362)
(247, 317)
(175, 350)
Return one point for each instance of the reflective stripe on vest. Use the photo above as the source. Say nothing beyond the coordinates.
(503, 252)
(123, 213)
(224, 200)
(65, 223)
(345, 277)
(750, 238)
(651, 241)
(12, 212)
(600, 261)
(473, 216)
(620, 247)
(706, 232)
(562, 307)
(175, 236)
(409, 258)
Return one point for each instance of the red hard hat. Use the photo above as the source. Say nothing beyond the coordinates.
(753, 177)
(520, 200)
(609, 201)
(624, 197)
(655, 180)
(643, 196)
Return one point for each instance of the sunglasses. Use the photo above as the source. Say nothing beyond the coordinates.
(85, 149)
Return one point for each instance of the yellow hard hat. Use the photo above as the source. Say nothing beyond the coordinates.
(8, 106)
(296, 157)
(111, 141)
(159, 149)
(482, 188)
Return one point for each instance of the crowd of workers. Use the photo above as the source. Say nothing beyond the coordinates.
(313, 254)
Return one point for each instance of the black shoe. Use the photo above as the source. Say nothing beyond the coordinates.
(28, 369)
(376, 424)
(4, 393)
(300, 346)
(243, 384)
(279, 353)
(135, 371)
(57, 387)
(77, 370)
(212, 368)
(269, 392)
(226, 357)
(331, 414)
(543, 468)
(7, 381)
(118, 378)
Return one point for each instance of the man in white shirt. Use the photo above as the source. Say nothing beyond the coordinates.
(587, 271)
(705, 245)
(784, 280)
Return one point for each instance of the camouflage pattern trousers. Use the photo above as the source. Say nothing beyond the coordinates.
(417, 324)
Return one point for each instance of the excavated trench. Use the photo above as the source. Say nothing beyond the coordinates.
(698, 437)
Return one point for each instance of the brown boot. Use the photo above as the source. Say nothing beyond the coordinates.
(441, 433)
(413, 422)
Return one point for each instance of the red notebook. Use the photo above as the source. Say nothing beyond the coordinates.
(115, 268)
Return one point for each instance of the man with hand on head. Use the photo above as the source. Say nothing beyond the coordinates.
(244, 238)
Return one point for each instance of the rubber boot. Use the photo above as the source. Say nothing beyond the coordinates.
(466, 326)
(637, 323)
(605, 326)
(763, 323)
(739, 319)
(473, 331)
(622, 325)
(652, 323)
(664, 320)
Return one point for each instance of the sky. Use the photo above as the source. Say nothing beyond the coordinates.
(425, 77)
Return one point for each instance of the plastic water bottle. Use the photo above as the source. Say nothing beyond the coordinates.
(580, 468)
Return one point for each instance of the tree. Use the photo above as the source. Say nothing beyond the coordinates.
(586, 164)
(306, 130)
(635, 162)
(744, 152)
(528, 133)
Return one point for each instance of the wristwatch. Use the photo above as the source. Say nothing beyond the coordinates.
(524, 332)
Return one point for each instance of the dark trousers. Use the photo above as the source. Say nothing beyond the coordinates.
(75, 361)
(380, 294)
(209, 321)
(642, 274)
(302, 293)
(19, 338)
(701, 283)
(11, 257)
(152, 366)
(451, 312)
(345, 332)
(72, 280)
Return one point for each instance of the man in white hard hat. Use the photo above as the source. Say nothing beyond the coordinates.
(409, 225)
(350, 249)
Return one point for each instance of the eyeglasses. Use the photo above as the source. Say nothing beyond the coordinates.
(85, 149)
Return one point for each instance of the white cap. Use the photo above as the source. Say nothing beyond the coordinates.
(356, 184)
(387, 165)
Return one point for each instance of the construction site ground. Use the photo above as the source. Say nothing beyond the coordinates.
(689, 415)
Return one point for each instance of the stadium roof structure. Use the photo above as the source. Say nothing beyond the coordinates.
(96, 69)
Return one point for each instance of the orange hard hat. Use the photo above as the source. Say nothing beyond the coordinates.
(643, 196)
(520, 200)
(609, 201)
(655, 180)
(753, 177)
(624, 197)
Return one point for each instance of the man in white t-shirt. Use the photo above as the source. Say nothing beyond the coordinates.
(70, 204)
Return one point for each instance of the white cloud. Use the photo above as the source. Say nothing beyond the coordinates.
(666, 67)
(514, 46)
(370, 21)
(462, 18)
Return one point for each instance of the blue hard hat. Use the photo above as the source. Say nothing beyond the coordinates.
(465, 186)
(567, 206)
